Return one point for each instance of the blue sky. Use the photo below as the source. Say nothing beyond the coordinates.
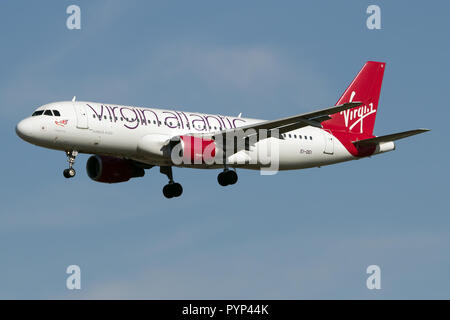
(298, 234)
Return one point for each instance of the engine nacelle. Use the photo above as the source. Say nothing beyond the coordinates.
(196, 150)
(112, 170)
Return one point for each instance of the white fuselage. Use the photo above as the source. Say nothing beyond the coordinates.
(119, 131)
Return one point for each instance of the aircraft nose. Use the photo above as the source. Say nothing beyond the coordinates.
(24, 129)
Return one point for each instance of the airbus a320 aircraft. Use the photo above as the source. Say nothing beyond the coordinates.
(125, 140)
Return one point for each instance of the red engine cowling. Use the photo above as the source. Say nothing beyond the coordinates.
(112, 170)
(198, 150)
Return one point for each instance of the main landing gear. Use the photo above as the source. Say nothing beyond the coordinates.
(172, 189)
(70, 172)
(227, 177)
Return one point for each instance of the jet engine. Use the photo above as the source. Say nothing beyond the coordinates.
(112, 170)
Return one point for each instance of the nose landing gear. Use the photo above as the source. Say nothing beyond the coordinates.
(172, 189)
(227, 177)
(70, 172)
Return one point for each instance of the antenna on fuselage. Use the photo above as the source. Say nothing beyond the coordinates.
(239, 115)
(74, 98)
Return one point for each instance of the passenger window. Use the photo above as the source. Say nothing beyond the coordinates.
(56, 113)
(105, 117)
(310, 138)
(295, 136)
(306, 137)
(300, 136)
(48, 113)
(289, 135)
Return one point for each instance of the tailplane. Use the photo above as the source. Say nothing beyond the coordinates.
(389, 137)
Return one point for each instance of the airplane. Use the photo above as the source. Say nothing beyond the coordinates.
(126, 140)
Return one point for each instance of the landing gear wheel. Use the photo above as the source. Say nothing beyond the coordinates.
(227, 177)
(69, 173)
(177, 189)
(172, 190)
(167, 191)
(221, 178)
(232, 177)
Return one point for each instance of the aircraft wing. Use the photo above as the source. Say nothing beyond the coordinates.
(389, 137)
(294, 122)
(283, 125)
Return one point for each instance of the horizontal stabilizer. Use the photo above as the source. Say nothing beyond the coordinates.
(389, 137)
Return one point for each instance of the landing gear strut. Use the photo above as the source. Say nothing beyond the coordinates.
(172, 189)
(227, 177)
(70, 172)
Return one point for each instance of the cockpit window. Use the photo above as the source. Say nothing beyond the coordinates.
(51, 113)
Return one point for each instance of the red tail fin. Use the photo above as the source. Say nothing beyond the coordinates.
(365, 88)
